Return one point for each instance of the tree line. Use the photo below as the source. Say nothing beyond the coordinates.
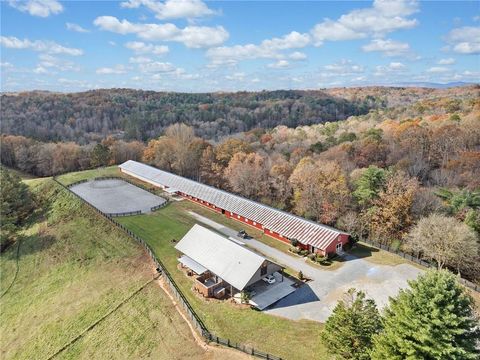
(142, 115)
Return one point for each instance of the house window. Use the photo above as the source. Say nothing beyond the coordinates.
(231, 213)
(246, 220)
(271, 232)
(254, 223)
(238, 216)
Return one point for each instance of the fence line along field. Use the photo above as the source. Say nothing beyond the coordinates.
(73, 269)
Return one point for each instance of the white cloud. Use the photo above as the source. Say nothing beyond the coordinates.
(118, 69)
(343, 68)
(143, 48)
(157, 67)
(172, 9)
(280, 64)
(49, 61)
(239, 76)
(267, 49)
(396, 66)
(464, 40)
(139, 60)
(190, 36)
(297, 56)
(382, 18)
(40, 70)
(437, 69)
(448, 61)
(6, 64)
(387, 46)
(41, 8)
(76, 27)
(49, 47)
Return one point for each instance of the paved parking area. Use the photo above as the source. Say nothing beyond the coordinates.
(316, 299)
(116, 196)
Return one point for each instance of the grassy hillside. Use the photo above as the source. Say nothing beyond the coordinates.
(282, 337)
(73, 268)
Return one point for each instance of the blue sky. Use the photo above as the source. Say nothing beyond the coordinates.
(196, 46)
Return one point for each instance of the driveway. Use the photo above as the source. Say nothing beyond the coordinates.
(316, 299)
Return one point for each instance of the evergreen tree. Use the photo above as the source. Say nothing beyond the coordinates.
(348, 331)
(15, 205)
(100, 155)
(369, 184)
(432, 320)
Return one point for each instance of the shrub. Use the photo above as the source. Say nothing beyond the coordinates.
(294, 242)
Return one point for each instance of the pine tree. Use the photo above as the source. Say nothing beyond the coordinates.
(348, 331)
(432, 320)
(15, 205)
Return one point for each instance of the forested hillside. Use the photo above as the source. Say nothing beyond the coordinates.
(384, 175)
(140, 115)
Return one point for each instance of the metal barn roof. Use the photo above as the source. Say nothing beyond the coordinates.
(232, 262)
(288, 225)
(192, 265)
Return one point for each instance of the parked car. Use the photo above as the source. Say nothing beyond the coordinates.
(269, 279)
(243, 234)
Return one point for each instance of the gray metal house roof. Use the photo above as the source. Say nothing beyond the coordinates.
(288, 225)
(232, 262)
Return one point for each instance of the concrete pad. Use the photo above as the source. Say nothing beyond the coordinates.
(317, 299)
(268, 294)
(116, 196)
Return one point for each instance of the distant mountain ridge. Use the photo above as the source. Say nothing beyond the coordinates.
(137, 114)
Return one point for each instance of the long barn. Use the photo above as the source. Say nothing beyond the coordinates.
(278, 224)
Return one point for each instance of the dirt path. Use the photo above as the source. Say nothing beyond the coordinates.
(211, 352)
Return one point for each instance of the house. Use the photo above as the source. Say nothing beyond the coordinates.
(278, 224)
(221, 267)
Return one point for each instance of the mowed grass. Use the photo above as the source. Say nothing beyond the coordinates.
(73, 177)
(282, 337)
(73, 268)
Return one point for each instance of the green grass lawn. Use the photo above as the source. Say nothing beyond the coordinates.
(74, 267)
(73, 177)
(378, 256)
(282, 337)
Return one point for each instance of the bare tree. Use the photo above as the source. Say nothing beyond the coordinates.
(445, 240)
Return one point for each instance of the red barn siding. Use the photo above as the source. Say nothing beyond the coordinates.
(343, 238)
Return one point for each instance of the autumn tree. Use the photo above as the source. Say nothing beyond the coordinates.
(446, 241)
(349, 330)
(434, 319)
(391, 214)
(227, 149)
(320, 190)
(211, 172)
(247, 174)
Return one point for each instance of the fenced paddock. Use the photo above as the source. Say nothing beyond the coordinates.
(117, 197)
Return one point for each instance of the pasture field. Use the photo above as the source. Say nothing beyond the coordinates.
(279, 336)
(73, 268)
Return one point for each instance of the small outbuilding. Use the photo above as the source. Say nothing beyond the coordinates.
(222, 267)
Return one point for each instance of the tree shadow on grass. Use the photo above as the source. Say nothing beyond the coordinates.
(27, 245)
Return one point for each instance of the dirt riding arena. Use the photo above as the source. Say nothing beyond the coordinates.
(114, 196)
